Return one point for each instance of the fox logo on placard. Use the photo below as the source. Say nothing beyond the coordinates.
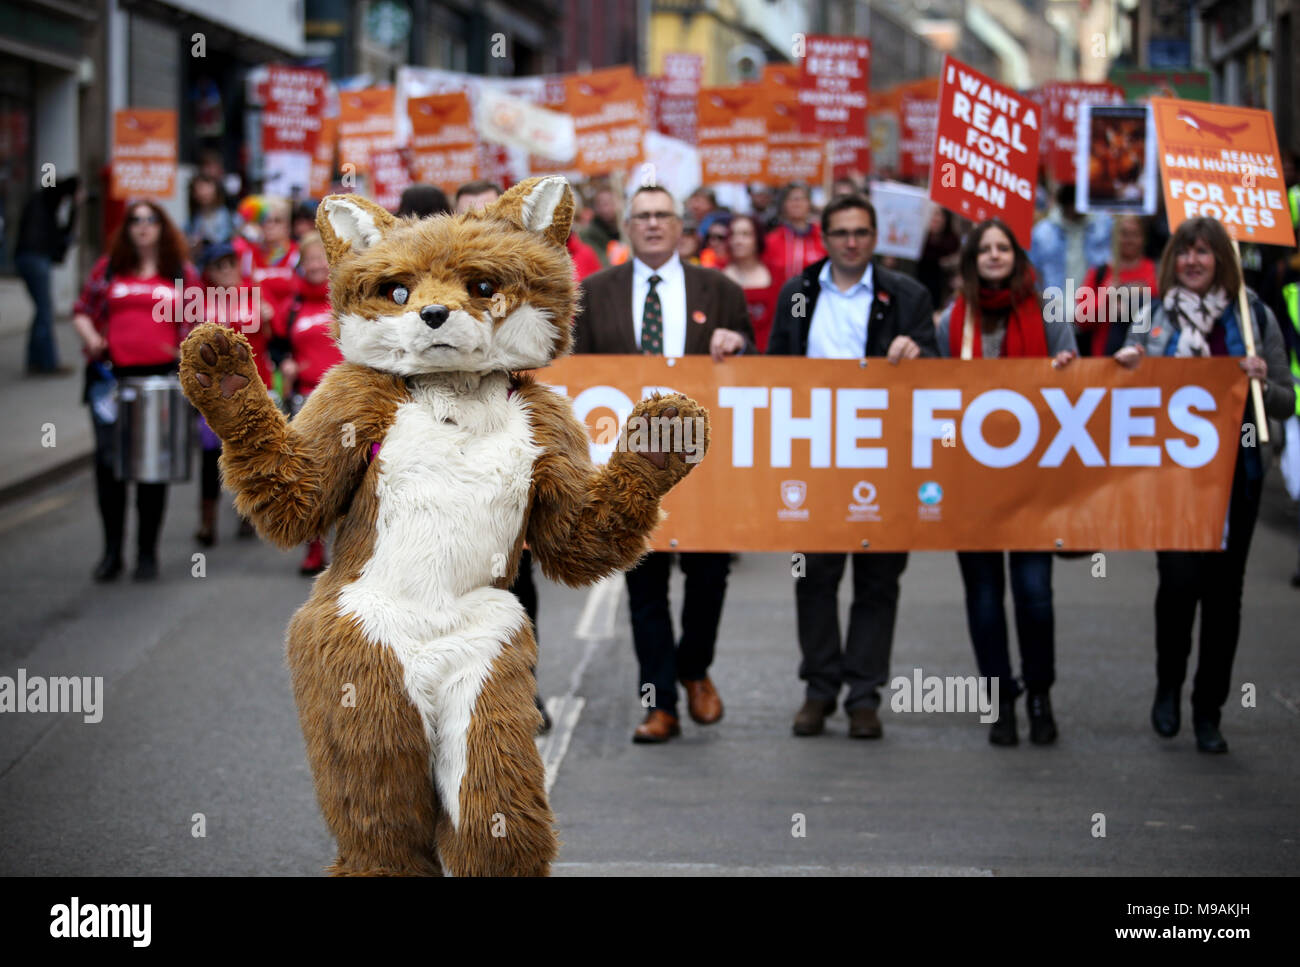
(793, 493)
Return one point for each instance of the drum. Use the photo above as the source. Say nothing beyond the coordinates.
(153, 430)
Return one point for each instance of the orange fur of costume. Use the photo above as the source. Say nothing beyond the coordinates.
(432, 765)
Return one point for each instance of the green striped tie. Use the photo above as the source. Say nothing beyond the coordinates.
(652, 321)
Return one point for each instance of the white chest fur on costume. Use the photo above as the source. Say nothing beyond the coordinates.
(453, 483)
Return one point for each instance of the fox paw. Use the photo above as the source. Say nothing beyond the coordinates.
(670, 433)
(216, 365)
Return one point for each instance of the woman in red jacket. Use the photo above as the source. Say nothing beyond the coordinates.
(308, 325)
(747, 270)
(1127, 284)
(796, 243)
(129, 319)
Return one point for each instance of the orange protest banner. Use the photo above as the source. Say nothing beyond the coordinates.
(144, 153)
(322, 159)
(444, 149)
(367, 125)
(791, 154)
(985, 150)
(1223, 162)
(733, 133)
(609, 118)
(831, 455)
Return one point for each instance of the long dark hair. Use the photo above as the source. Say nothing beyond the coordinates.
(1022, 281)
(123, 259)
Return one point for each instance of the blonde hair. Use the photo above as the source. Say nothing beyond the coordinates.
(308, 240)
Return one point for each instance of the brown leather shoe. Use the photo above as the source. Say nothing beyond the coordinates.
(702, 700)
(658, 726)
(864, 723)
(811, 718)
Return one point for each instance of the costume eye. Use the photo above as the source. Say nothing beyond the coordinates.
(397, 292)
(482, 289)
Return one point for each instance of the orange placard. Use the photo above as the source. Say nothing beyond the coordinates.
(144, 153)
(444, 150)
(830, 455)
(1223, 162)
(609, 119)
(322, 158)
(985, 150)
(733, 133)
(791, 154)
(367, 124)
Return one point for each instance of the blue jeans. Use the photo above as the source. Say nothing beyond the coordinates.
(42, 354)
(1031, 589)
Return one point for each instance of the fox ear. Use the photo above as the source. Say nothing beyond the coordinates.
(542, 205)
(350, 223)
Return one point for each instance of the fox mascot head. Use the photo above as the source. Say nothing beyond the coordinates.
(482, 292)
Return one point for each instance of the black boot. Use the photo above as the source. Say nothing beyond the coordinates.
(111, 495)
(1003, 731)
(1208, 737)
(1042, 727)
(1165, 716)
(109, 566)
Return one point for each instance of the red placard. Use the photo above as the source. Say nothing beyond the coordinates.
(295, 101)
(918, 114)
(833, 85)
(677, 93)
(986, 150)
(1060, 101)
(444, 150)
(733, 133)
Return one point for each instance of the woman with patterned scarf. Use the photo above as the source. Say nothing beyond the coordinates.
(1197, 316)
(1005, 320)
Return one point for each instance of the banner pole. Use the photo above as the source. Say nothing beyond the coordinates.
(828, 169)
(1248, 334)
(968, 334)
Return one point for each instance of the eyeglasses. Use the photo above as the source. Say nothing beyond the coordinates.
(646, 217)
(144, 219)
(857, 234)
(719, 236)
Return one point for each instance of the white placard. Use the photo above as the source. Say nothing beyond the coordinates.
(902, 218)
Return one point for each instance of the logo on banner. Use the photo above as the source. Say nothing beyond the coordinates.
(930, 494)
(793, 493)
(864, 506)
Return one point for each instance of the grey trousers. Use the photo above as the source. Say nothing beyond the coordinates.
(863, 663)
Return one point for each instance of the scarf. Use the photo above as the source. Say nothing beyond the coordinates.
(1024, 326)
(1196, 316)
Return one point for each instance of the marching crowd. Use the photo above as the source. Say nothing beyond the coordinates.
(647, 265)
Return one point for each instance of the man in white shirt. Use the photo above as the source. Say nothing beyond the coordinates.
(654, 304)
(844, 307)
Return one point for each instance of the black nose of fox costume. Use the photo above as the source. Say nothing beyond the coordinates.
(434, 316)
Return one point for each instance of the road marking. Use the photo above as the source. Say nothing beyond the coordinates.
(43, 506)
(1287, 703)
(595, 627)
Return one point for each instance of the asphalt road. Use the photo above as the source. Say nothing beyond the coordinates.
(198, 720)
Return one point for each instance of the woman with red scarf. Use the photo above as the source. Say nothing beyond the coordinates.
(998, 314)
(130, 319)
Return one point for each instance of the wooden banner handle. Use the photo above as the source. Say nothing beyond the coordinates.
(1248, 334)
(968, 334)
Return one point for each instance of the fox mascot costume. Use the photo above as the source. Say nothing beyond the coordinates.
(438, 457)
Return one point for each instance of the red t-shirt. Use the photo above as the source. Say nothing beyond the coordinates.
(143, 319)
(584, 258)
(311, 336)
(241, 311)
(761, 302)
(1097, 330)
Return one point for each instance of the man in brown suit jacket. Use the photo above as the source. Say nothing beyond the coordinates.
(655, 304)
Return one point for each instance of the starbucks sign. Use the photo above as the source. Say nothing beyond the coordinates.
(388, 23)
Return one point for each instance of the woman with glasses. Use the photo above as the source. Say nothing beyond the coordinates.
(1197, 316)
(714, 255)
(128, 319)
(998, 315)
(745, 267)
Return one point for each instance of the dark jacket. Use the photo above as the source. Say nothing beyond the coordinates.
(39, 229)
(604, 322)
(901, 307)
